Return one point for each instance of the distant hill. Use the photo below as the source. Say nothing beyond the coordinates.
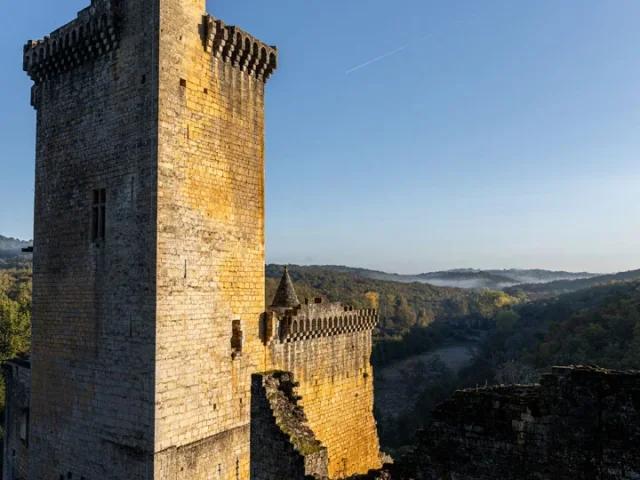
(344, 284)
(402, 305)
(567, 286)
(12, 246)
(468, 277)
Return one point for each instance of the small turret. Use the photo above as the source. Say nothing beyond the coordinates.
(285, 295)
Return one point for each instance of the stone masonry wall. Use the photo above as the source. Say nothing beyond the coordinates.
(336, 385)
(210, 241)
(580, 423)
(16, 417)
(146, 340)
(282, 445)
(161, 106)
(94, 301)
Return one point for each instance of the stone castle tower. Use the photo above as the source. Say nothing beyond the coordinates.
(148, 307)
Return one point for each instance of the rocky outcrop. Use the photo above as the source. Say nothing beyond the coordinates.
(579, 423)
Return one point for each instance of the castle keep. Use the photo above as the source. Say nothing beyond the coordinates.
(152, 355)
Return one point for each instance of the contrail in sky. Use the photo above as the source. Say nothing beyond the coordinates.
(399, 49)
(388, 54)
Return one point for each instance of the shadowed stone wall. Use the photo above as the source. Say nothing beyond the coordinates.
(93, 342)
(579, 423)
(17, 377)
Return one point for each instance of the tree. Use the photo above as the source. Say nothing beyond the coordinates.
(403, 316)
(506, 320)
(515, 373)
(373, 298)
(426, 317)
(596, 335)
(15, 326)
(489, 302)
(457, 307)
(632, 356)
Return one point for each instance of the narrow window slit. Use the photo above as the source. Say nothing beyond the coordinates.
(236, 339)
(98, 214)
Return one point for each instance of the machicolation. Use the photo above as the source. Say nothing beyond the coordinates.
(237, 47)
(94, 33)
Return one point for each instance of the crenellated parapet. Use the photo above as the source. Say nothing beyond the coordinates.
(318, 319)
(92, 34)
(236, 47)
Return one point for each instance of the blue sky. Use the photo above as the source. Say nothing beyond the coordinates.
(508, 137)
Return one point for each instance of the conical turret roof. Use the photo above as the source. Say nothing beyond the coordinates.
(285, 295)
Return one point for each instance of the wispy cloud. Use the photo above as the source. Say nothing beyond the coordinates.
(403, 47)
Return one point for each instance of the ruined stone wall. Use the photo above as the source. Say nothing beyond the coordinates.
(94, 301)
(331, 361)
(282, 444)
(17, 375)
(210, 240)
(580, 423)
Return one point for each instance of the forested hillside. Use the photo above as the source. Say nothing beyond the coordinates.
(539, 290)
(402, 306)
(11, 246)
(467, 277)
(520, 338)
(15, 315)
(599, 325)
(595, 326)
(19, 262)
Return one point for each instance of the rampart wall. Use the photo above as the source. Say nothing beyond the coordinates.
(327, 347)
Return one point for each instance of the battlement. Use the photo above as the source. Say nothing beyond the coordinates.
(236, 47)
(96, 31)
(314, 320)
(93, 33)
